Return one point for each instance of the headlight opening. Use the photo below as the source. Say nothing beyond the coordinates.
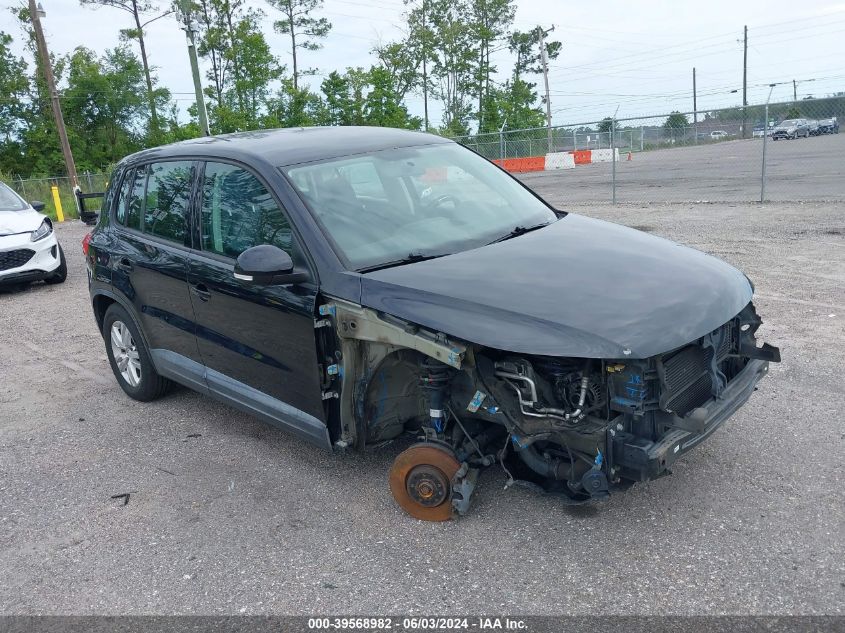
(42, 231)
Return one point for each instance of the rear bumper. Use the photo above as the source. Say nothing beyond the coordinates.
(639, 459)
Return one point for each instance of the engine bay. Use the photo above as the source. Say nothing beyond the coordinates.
(575, 427)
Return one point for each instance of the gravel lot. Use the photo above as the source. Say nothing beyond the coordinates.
(803, 169)
(228, 515)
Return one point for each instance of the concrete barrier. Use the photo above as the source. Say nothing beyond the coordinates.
(559, 160)
(603, 155)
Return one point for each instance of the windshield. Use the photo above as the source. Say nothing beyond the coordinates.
(422, 201)
(10, 201)
(789, 122)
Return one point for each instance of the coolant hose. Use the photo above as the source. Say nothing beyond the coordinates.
(548, 468)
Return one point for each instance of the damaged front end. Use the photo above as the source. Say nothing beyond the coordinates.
(576, 427)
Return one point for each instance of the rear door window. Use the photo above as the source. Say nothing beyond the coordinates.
(166, 200)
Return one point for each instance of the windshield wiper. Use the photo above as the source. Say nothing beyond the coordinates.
(411, 258)
(517, 231)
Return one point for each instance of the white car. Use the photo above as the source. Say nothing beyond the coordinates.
(717, 134)
(29, 250)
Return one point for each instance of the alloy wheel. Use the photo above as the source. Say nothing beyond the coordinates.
(125, 353)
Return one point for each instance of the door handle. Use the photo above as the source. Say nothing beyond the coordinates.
(201, 291)
(123, 264)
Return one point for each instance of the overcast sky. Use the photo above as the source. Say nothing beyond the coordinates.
(635, 55)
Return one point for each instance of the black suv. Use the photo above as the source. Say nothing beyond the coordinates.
(354, 285)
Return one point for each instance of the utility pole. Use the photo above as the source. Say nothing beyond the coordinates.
(35, 14)
(745, 82)
(188, 27)
(794, 90)
(694, 107)
(544, 58)
(425, 62)
(694, 99)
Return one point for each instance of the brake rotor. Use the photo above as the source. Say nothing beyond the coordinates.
(421, 481)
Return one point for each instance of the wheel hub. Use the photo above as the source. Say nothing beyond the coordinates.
(421, 481)
(427, 485)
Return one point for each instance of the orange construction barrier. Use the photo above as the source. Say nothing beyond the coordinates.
(582, 156)
(522, 165)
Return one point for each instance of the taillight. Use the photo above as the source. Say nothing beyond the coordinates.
(85, 242)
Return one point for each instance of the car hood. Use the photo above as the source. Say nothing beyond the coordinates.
(579, 287)
(12, 222)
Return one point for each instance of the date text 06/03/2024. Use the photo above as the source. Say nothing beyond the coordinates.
(418, 623)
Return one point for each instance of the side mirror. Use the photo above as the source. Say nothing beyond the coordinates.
(267, 265)
(37, 205)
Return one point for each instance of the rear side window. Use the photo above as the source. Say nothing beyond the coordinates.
(133, 194)
(110, 193)
(166, 200)
(238, 212)
(123, 196)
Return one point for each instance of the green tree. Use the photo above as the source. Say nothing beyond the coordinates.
(453, 63)
(489, 21)
(259, 68)
(242, 66)
(14, 91)
(525, 46)
(605, 125)
(341, 104)
(793, 113)
(103, 106)
(402, 60)
(383, 106)
(292, 107)
(676, 121)
(304, 30)
(38, 141)
(143, 13)
(514, 104)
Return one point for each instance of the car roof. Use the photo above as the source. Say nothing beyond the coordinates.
(288, 146)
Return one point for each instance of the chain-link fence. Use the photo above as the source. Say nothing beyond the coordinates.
(713, 155)
(793, 153)
(40, 189)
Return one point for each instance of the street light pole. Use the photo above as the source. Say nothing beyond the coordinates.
(765, 138)
(35, 14)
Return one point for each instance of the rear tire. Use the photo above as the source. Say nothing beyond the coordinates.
(129, 357)
(60, 274)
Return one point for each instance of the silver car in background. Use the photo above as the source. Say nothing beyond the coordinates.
(791, 128)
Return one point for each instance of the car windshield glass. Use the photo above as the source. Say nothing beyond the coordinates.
(10, 201)
(408, 203)
(789, 122)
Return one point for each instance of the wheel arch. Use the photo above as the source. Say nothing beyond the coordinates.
(102, 300)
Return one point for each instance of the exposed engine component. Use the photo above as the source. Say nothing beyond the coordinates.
(570, 426)
(570, 387)
(434, 378)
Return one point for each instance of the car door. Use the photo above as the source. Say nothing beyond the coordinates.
(150, 263)
(257, 341)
